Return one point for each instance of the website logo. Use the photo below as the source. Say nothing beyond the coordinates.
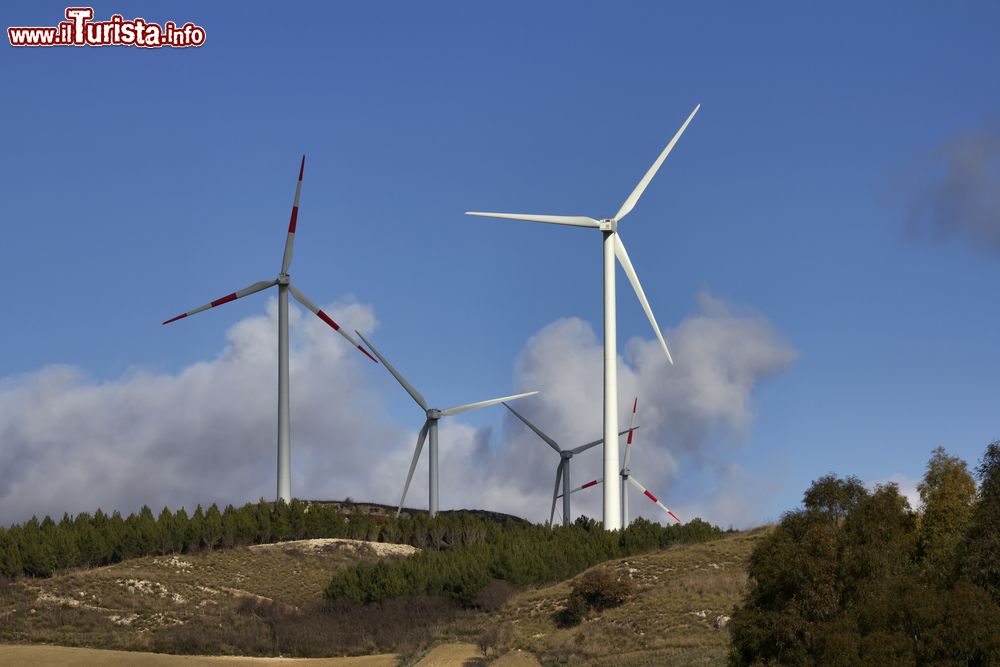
(79, 29)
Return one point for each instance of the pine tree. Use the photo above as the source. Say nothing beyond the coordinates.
(147, 534)
(10, 555)
(194, 538)
(213, 527)
(165, 531)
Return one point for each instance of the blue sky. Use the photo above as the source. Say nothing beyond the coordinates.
(138, 184)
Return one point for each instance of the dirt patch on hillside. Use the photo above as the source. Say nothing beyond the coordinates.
(335, 544)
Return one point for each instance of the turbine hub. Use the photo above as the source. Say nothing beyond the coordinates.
(566, 454)
(609, 225)
(434, 413)
(283, 279)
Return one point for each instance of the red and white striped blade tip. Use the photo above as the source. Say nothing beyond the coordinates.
(632, 421)
(336, 327)
(218, 302)
(295, 205)
(673, 515)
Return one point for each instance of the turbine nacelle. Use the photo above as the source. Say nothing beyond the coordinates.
(430, 427)
(284, 287)
(614, 249)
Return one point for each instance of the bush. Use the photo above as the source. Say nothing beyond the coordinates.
(600, 589)
(573, 614)
(493, 640)
(495, 595)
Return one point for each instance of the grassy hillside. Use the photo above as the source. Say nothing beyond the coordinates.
(670, 619)
(181, 602)
(267, 600)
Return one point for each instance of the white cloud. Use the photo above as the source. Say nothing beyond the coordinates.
(703, 400)
(207, 433)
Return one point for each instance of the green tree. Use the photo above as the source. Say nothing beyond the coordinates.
(10, 555)
(213, 527)
(947, 493)
(834, 496)
(194, 538)
(165, 531)
(980, 562)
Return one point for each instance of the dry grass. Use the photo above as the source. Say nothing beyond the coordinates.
(134, 605)
(670, 619)
(268, 601)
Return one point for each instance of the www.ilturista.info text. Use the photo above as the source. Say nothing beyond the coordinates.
(81, 30)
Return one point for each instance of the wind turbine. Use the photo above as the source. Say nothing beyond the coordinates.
(562, 470)
(430, 427)
(284, 287)
(613, 247)
(626, 478)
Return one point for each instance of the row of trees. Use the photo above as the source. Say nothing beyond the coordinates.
(520, 554)
(859, 578)
(38, 548)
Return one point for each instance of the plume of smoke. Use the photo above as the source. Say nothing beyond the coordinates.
(962, 197)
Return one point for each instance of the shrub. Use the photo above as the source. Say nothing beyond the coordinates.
(494, 595)
(573, 614)
(600, 589)
(493, 639)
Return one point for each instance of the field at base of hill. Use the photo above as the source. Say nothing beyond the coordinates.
(444, 655)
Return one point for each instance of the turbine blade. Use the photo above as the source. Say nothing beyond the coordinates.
(645, 492)
(286, 260)
(552, 443)
(572, 220)
(252, 289)
(399, 378)
(634, 197)
(559, 474)
(631, 425)
(593, 482)
(304, 300)
(458, 409)
(583, 448)
(637, 286)
(413, 464)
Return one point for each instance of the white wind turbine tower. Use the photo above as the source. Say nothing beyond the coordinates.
(433, 415)
(284, 287)
(626, 478)
(613, 247)
(562, 470)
